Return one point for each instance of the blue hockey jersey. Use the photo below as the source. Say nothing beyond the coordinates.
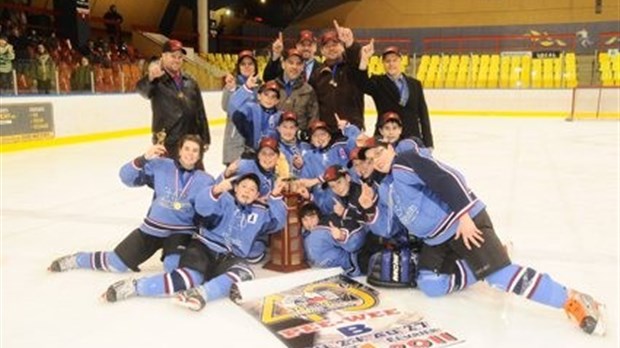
(430, 197)
(176, 190)
(230, 227)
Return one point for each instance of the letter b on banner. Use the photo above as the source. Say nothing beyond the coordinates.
(354, 330)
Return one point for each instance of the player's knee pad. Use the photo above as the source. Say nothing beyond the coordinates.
(240, 273)
(393, 268)
(433, 284)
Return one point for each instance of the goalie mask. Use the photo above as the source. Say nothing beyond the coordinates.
(393, 268)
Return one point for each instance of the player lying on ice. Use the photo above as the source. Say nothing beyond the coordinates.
(169, 224)
(460, 247)
(232, 220)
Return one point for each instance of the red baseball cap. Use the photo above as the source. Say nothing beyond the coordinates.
(306, 35)
(317, 124)
(288, 116)
(293, 52)
(245, 53)
(391, 49)
(329, 36)
(269, 142)
(355, 154)
(270, 86)
(390, 116)
(333, 173)
(173, 46)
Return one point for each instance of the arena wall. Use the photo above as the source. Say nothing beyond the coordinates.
(81, 118)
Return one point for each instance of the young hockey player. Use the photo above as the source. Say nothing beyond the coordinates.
(331, 240)
(326, 150)
(291, 147)
(213, 261)
(169, 224)
(263, 165)
(434, 203)
(255, 120)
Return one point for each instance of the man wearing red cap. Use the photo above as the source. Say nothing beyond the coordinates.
(337, 82)
(396, 92)
(175, 97)
(306, 45)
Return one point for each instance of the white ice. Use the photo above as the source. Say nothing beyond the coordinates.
(552, 189)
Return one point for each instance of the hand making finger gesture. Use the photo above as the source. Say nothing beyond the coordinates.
(278, 187)
(341, 123)
(252, 82)
(337, 233)
(367, 196)
(229, 82)
(344, 34)
(155, 70)
(368, 50)
(223, 186)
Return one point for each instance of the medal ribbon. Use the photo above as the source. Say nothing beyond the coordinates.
(179, 178)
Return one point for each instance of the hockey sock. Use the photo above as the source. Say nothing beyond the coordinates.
(168, 283)
(102, 261)
(219, 286)
(439, 284)
(531, 284)
(171, 262)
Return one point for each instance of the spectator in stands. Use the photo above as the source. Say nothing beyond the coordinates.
(7, 55)
(306, 45)
(246, 68)
(44, 70)
(175, 98)
(396, 92)
(52, 42)
(81, 77)
(33, 38)
(113, 21)
(337, 81)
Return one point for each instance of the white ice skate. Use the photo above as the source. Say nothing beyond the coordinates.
(64, 263)
(120, 290)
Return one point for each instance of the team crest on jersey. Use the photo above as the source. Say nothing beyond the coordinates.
(343, 153)
(252, 218)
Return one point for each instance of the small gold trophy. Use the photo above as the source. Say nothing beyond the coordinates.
(287, 247)
(160, 137)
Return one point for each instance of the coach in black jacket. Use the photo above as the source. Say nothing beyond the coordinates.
(176, 101)
(390, 94)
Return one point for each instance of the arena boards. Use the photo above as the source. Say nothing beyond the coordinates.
(337, 311)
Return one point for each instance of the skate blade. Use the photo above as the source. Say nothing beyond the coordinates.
(190, 303)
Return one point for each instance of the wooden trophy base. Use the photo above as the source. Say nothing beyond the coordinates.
(286, 248)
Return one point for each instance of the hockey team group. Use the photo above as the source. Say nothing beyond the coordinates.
(376, 202)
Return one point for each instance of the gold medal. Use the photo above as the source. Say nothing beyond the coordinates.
(176, 205)
(181, 95)
(333, 83)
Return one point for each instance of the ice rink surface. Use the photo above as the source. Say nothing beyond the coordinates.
(552, 189)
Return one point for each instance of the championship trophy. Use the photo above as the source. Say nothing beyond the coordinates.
(287, 248)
